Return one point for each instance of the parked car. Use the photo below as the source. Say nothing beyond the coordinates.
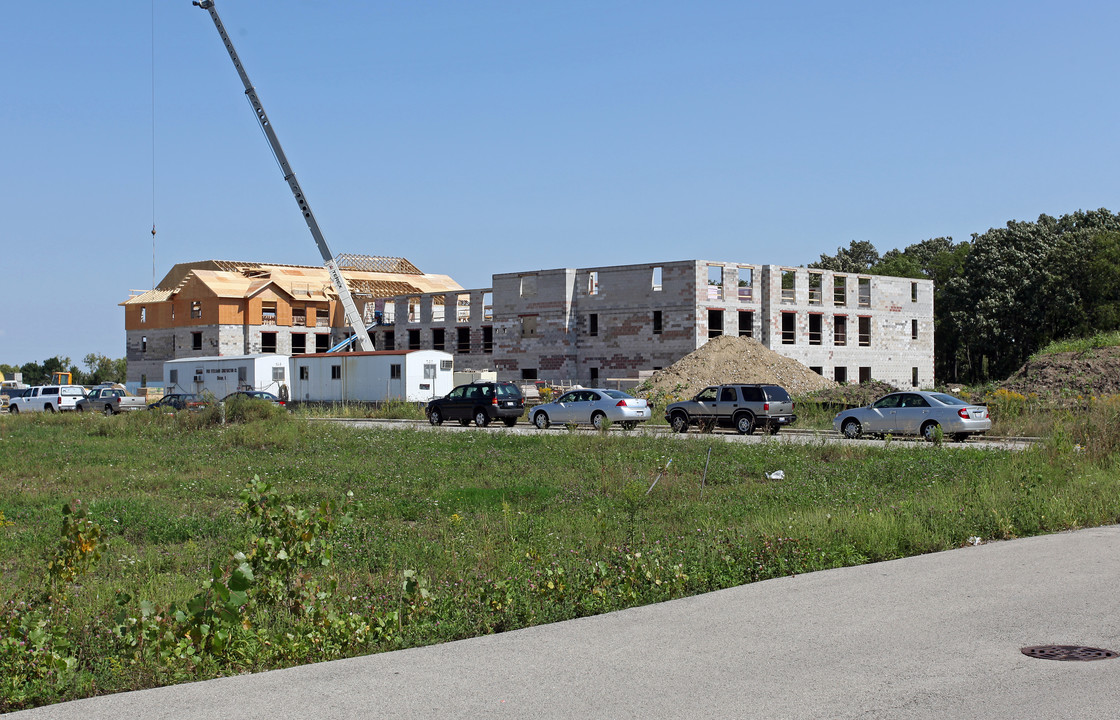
(110, 400)
(10, 392)
(255, 395)
(179, 401)
(592, 405)
(744, 407)
(481, 402)
(915, 413)
(47, 398)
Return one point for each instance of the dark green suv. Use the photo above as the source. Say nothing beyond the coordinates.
(743, 407)
(480, 402)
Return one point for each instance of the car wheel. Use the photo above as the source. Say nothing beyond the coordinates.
(929, 431)
(597, 420)
(464, 421)
(13, 410)
(541, 420)
(851, 429)
(48, 408)
(745, 424)
(108, 411)
(79, 408)
(679, 422)
(509, 422)
(481, 419)
(774, 429)
(629, 424)
(435, 417)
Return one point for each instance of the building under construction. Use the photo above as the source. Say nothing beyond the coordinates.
(586, 325)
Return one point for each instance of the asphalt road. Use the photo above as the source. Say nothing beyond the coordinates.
(936, 636)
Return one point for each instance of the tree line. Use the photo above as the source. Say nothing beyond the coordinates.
(1008, 292)
(99, 369)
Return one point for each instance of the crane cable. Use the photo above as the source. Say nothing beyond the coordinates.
(153, 144)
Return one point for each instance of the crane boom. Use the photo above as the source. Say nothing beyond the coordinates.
(353, 318)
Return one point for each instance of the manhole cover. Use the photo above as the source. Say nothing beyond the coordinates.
(1068, 652)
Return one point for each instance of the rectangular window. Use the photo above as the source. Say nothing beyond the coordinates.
(304, 372)
(840, 330)
(268, 342)
(816, 294)
(816, 321)
(528, 326)
(839, 291)
(174, 377)
(413, 309)
(594, 376)
(144, 344)
(789, 328)
(336, 372)
(143, 314)
(299, 317)
(865, 292)
(817, 369)
(865, 331)
(593, 283)
(196, 309)
(746, 284)
(487, 339)
(914, 329)
(789, 287)
(446, 365)
(438, 338)
(840, 374)
(268, 313)
(715, 323)
(278, 374)
(657, 279)
(914, 377)
(488, 305)
(395, 371)
(746, 323)
(413, 339)
(656, 322)
(242, 373)
(528, 373)
(390, 340)
(299, 343)
(438, 307)
(715, 282)
(463, 304)
(463, 340)
(865, 374)
(196, 341)
(322, 342)
(913, 292)
(593, 324)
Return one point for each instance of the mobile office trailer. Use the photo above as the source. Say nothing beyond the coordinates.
(222, 375)
(410, 375)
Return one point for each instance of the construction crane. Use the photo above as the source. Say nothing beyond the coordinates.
(353, 317)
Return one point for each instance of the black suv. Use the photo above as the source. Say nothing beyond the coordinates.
(743, 407)
(481, 402)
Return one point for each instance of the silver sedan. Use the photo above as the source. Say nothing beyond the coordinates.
(593, 406)
(915, 413)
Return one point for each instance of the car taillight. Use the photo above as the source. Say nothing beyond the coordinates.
(963, 412)
(283, 403)
(620, 403)
(766, 407)
(494, 400)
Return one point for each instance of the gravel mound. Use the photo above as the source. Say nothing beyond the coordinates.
(1094, 372)
(727, 359)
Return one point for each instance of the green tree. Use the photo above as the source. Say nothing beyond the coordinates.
(859, 257)
(105, 369)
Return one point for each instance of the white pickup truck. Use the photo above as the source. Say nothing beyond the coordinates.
(110, 401)
(47, 398)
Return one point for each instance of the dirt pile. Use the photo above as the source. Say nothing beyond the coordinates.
(859, 395)
(727, 359)
(1094, 372)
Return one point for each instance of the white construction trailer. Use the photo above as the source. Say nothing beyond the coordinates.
(221, 375)
(411, 375)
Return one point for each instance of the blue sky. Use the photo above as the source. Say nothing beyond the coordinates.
(482, 137)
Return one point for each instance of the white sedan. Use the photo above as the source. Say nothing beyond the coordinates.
(915, 413)
(592, 406)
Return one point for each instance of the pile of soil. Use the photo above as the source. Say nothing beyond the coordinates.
(727, 359)
(859, 395)
(1093, 372)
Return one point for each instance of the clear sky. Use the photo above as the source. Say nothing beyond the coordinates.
(482, 137)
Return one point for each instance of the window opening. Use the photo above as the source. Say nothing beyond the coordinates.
(746, 323)
(865, 374)
(839, 290)
(413, 339)
(268, 342)
(914, 377)
(336, 372)
(438, 307)
(816, 321)
(438, 338)
(299, 343)
(593, 324)
(278, 374)
(488, 305)
(528, 285)
(395, 371)
(174, 377)
(840, 374)
(413, 309)
(299, 317)
(864, 332)
(528, 373)
(816, 294)
(144, 344)
(463, 340)
(656, 322)
(840, 330)
(463, 308)
(715, 282)
(789, 328)
(268, 313)
(865, 292)
(487, 339)
(593, 283)
(715, 323)
(746, 284)
(196, 309)
(390, 340)
(304, 372)
(594, 376)
(143, 314)
(657, 279)
(322, 342)
(913, 292)
(196, 341)
(789, 287)
(817, 369)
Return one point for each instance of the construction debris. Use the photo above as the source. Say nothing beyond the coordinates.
(727, 359)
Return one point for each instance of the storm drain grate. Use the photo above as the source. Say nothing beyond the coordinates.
(1068, 652)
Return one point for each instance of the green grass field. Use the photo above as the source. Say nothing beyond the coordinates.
(173, 565)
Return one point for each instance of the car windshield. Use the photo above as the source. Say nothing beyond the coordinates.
(947, 399)
(618, 395)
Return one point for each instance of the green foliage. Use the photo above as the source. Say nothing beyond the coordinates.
(1080, 344)
(859, 257)
(79, 549)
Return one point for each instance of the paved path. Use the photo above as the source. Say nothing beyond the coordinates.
(936, 636)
